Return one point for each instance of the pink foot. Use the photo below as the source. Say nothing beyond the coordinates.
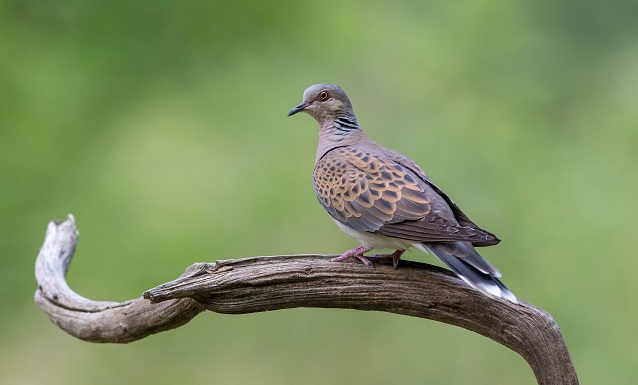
(395, 257)
(358, 252)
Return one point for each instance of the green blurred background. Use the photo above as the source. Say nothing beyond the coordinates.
(162, 127)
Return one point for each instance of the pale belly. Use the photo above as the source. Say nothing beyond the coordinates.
(377, 241)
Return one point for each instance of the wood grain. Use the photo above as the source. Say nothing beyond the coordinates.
(258, 284)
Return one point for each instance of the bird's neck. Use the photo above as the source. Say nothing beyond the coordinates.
(341, 131)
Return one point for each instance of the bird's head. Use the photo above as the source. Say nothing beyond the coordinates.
(324, 102)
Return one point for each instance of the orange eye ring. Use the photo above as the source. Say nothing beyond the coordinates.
(323, 96)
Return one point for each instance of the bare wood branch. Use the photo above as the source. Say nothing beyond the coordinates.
(92, 320)
(281, 282)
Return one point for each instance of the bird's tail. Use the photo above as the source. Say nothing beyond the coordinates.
(463, 259)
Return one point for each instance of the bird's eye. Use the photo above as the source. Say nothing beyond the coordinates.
(324, 95)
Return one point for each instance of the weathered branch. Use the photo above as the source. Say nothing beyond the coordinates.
(280, 282)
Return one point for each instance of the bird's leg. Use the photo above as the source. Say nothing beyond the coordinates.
(395, 257)
(357, 252)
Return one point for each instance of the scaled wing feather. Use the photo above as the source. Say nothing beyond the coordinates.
(375, 193)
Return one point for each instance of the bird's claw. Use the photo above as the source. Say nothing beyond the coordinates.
(358, 253)
(363, 259)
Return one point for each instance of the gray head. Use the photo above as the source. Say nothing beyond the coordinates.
(325, 103)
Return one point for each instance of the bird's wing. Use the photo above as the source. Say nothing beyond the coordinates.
(459, 215)
(369, 191)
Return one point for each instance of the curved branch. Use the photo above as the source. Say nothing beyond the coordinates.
(92, 320)
(280, 282)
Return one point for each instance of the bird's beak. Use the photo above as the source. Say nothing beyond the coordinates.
(299, 108)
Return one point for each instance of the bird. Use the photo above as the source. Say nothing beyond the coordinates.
(384, 200)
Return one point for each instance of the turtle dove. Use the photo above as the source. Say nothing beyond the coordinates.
(385, 201)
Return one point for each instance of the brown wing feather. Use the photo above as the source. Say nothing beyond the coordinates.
(361, 190)
(459, 215)
(374, 193)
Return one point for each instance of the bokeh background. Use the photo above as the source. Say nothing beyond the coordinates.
(162, 127)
